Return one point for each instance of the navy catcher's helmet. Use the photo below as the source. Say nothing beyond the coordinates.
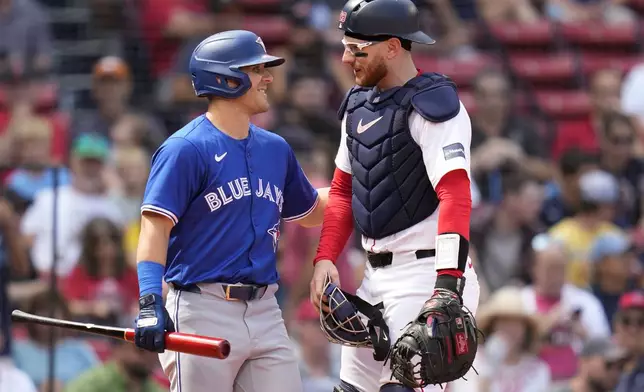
(342, 324)
(363, 19)
(218, 59)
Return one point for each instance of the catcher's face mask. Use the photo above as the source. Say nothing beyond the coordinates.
(343, 325)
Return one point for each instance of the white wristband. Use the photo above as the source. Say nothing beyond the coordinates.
(447, 247)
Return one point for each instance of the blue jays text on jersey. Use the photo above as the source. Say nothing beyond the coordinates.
(235, 190)
(226, 198)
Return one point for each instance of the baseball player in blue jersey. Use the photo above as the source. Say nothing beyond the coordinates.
(217, 192)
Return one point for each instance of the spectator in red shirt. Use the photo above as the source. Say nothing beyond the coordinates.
(605, 89)
(102, 287)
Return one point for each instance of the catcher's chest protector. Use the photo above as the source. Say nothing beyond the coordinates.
(391, 189)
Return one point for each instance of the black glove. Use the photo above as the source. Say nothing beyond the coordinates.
(152, 323)
(439, 346)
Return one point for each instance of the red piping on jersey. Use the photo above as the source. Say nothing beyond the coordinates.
(338, 219)
(453, 191)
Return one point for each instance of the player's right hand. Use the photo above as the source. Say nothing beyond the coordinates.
(323, 268)
(152, 323)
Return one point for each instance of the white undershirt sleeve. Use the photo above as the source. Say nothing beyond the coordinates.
(342, 160)
(445, 146)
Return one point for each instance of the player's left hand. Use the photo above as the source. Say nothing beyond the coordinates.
(443, 338)
(152, 323)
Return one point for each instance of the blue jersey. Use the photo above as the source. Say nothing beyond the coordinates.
(226, 198)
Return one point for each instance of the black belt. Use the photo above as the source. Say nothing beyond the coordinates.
(380, 260)
(232, 292)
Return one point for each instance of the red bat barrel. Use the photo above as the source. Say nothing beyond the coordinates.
(191, 344)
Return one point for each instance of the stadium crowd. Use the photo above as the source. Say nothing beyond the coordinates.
(90, 88)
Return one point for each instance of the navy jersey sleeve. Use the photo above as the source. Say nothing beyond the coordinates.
(300, 197)
(176, 176)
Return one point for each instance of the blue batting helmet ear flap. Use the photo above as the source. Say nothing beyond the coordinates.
(218, 59)
(343, 324)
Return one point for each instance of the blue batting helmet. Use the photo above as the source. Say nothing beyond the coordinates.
(218, 59)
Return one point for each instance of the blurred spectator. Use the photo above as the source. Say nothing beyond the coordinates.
(499, 11)
(102, 288)
(599, 197)
(631, 98)
(315, 351)
(168, 23)
(502, 234)
(628, 324)
(13, 379)
(131, 168)
(617, 157)
(111, 91)
(611, 11)
(14, 263)
(502, 141)
(604, 91)
(612, 266)
(84, 199)
(568, 315)
(72, 355)
(32, 140)
(129, 370)
(563, 195)
(25, 41)
(507, 360)
(600, 364)
(629, 332)
(136, 130)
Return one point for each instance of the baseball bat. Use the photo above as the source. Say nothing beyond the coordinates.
(174, 341)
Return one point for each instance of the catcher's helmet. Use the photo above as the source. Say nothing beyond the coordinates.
(373, 18)
(344, 325)
(219, 57)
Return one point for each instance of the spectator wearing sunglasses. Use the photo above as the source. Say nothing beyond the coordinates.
(617, 156)
(629, 334)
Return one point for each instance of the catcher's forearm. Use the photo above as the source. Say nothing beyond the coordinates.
(452, 242)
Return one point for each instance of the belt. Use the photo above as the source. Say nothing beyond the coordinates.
(232, 292)
(380, 260)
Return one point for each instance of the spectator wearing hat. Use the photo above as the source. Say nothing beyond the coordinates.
(568, 315)
(599, 193)
(612, 264)
(600, 364)
(85, 198)
(111, 94)
(315, 351)
(629, 333)
(508, 360)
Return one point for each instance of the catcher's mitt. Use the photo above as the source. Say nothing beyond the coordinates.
(439, 346)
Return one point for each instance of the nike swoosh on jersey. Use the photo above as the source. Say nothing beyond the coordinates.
(218, 158)
(362, 128)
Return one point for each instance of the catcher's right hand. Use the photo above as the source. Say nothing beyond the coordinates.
(439, 346)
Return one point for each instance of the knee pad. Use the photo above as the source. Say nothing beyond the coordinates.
(395, 388)
(345, 387)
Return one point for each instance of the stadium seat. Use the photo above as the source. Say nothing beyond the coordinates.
(593, 62)
(461, 71)
(260, 5)
(540, 70)
(524, 35)
(563, 104)
(274, 30)
(605, 36)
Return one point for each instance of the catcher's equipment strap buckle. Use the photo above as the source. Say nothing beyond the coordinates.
(378, 329)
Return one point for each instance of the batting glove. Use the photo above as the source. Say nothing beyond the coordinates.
(152, 323)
